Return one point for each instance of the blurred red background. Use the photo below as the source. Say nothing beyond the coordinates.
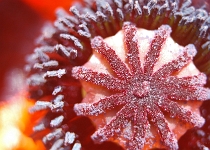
(21, 22)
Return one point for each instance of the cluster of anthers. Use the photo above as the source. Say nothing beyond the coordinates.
(142, 89)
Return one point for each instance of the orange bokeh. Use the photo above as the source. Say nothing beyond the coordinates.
(16, 125)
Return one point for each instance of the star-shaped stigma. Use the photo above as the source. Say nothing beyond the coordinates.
(145, 95)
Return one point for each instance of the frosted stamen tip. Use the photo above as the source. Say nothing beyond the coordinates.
(96, 42)
(57, 121)
(166, 28)
(69, 137)
(77, 146)
(191, 50)
(78, 109)
(126, 24)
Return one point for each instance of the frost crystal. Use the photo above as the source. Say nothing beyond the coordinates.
(145, 93)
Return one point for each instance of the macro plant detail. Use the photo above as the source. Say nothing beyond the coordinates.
(78, 35)
(143, 93)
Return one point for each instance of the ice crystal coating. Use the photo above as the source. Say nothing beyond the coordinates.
(144, 90)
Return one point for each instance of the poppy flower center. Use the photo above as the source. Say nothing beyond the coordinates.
(139, 78)
(143, 90)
